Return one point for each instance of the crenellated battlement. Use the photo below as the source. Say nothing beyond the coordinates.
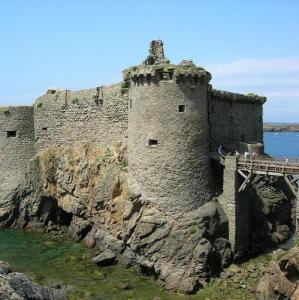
(235, 97)
(153, 74)
(156, 67)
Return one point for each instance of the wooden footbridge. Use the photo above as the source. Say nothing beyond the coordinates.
(247, 168)
(237, 174)
(289, 170)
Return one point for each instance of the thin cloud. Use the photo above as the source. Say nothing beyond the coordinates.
(256, 66)
(294, 94)
(275, 78)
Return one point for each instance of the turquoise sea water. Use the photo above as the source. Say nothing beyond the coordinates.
(282, 144)
(44, 260)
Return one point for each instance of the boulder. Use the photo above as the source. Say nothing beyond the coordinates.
(16, 286)
(79, 228)
(4, 268)
(105, 259)
(281, 280)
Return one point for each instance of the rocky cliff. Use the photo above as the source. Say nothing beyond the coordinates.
(271, 205)
(82, 191)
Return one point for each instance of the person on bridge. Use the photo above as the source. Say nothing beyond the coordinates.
(254, 155)
(220, 150)
(237, 153)
(246, 155)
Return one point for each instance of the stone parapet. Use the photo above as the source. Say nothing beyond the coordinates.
(235, 97)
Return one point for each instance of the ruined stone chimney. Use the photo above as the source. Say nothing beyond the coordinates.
(156, 54)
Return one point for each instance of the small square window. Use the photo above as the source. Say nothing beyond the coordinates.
(152, 142)
(181, 108)
(11, 133)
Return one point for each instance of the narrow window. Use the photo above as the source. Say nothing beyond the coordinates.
(212, 109)
(11, 133)
(153, 142)
(148, 79)
(130, 103)
(181, 108)
(243, 138)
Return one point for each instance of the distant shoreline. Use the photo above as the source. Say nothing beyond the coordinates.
(272, 127)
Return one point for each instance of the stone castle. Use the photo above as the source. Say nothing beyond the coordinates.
(169, 116)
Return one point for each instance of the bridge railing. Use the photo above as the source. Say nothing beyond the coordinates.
(278, 159)
(268, 166)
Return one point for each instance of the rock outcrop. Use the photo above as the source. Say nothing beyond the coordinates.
(82, 191)
(271, 204)
(281, 280)
(16, 286)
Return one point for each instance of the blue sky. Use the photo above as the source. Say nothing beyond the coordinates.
(249, 46)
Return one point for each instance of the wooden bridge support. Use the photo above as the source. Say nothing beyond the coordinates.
(235, 207)
(293, 183)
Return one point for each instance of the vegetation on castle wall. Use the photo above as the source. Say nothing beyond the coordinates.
(125, 84)
(235, 97)
(181, 69)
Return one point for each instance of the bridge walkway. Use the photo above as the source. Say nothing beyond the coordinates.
(237, 175)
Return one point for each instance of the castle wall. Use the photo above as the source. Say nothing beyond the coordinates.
(16, 145)
(94, 116)
(168, 149)
(235, 118)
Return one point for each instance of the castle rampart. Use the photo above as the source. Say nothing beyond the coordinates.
(235, 118)
(16, 145)
(92, 116)
(168, 114)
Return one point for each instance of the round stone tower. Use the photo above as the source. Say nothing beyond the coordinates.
(16, 145)
(168, 132)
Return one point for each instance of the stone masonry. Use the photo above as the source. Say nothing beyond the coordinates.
(16, 145)
(235, 207)
(168, 115)
(235, 118)
(168, 135)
